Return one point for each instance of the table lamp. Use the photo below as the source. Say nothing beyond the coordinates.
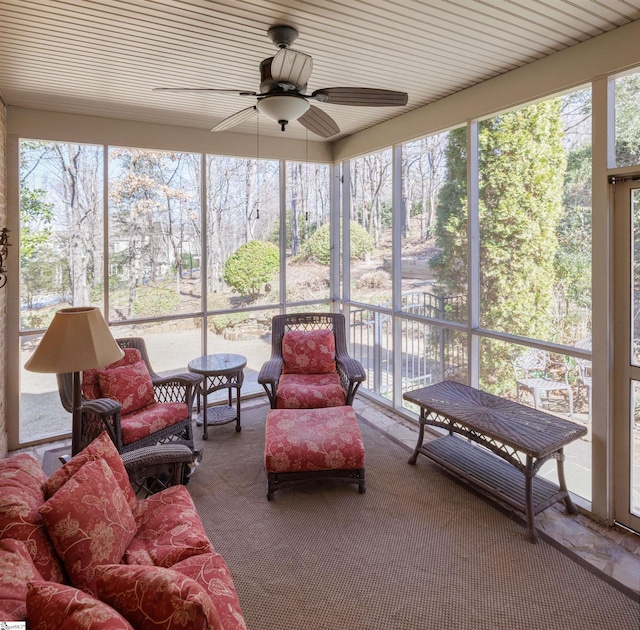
(78, 339)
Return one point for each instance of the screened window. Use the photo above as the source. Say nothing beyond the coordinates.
(370, 229)
(535, 220)
(627, 125)
(61, 260)
(243, 218)
(154, 231)
(307, 232)
(434, 226)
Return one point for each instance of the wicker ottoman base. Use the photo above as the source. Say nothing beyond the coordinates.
(309, 444)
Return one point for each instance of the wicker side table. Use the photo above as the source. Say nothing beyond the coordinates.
(220, 371)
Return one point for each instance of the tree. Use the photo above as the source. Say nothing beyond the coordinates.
(423, 173)
(370, 188)
(155, 212)
(78, 185)
(573, 257)
(298, 204)
(522, 175)
(239, 192)
(627, 97)
(67, 234)
(522, 165)
(39, 263)
(252, 265)
(450, 263)
(36, 215)
(318, 247)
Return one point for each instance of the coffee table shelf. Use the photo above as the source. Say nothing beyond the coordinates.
(490, 474)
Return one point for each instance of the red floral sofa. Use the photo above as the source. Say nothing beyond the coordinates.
(80, 548)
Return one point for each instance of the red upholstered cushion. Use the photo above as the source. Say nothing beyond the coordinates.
(154, 598)
(101, 448)
(90, 383)
(21, 496)
(90, 522)
(309, 391)
(211, 571)
(51, 605)
(313, 439)
(309, 352)
(168, 530)
(142, 423)
(130, 385)
(16, 571)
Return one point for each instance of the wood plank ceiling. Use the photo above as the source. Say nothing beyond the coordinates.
(103, 57)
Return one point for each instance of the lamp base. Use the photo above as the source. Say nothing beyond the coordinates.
(76, 415)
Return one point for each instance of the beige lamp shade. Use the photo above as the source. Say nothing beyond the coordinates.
(78, 339)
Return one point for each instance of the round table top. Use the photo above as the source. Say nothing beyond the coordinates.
(213, 364)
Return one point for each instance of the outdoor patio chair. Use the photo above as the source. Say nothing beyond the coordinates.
(136, 406)
(315, 369)
(584, 372)
(533, 374)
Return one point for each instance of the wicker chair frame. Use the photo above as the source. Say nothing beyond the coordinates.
(533, 375)
(278, 481)
(152, 469)
(350, 370)
(104, 413)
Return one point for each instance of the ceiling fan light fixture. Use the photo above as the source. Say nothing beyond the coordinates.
(283, 108)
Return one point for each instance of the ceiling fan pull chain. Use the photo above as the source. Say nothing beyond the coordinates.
(257, 162)
(306, 174)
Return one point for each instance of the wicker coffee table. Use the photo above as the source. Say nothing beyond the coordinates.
(515, 442)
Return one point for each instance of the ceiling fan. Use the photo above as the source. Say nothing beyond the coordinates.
(283, 83)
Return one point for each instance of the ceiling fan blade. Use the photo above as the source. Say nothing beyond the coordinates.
(361, 97)
(235, 119)
(291, 66)
(319, 122)
(213, 90)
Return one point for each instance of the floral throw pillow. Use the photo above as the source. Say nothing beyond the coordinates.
(21, 496)
(211, 571)
(130, 385)
(154, 598)
(51, 605)
(89, 522)
(169, 530)
(101, 448)
(309, 352)
(90, 382)
(16, 571)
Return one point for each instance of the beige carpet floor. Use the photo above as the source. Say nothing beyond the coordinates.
(417, 551)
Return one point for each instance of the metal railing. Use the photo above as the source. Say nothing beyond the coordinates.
(429, 353)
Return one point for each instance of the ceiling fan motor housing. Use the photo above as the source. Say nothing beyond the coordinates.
(266, 80)
(269, 84)
(282, 35)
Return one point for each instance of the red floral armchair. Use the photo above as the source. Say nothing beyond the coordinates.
(136, 406)
(309, 365)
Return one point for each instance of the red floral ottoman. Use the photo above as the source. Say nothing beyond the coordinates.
(304, 444)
